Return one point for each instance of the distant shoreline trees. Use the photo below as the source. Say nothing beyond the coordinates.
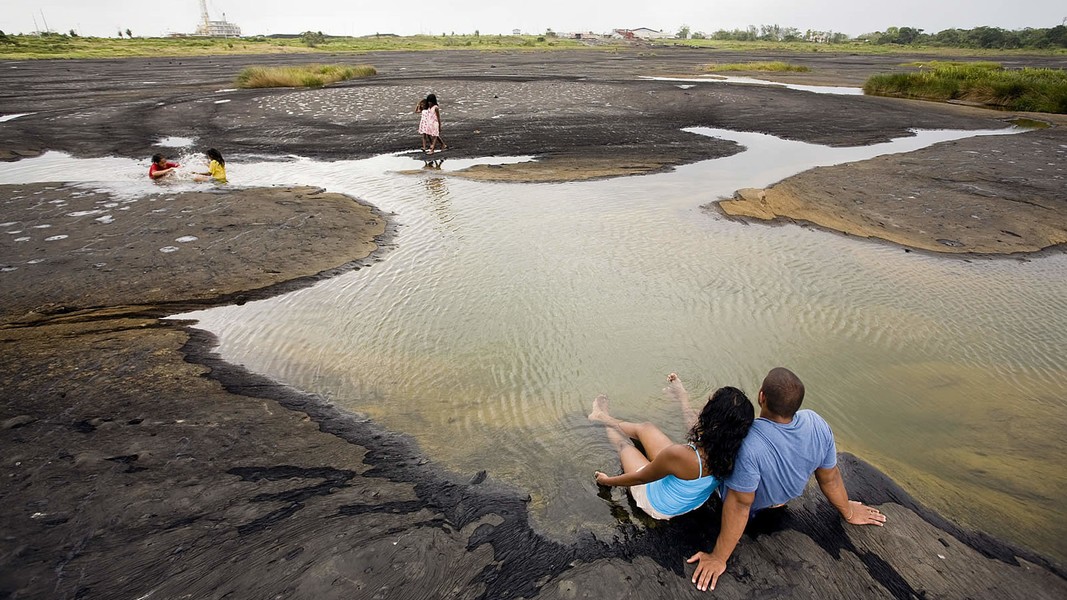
(979, 37)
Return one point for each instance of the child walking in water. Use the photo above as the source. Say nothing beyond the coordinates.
(430, 123)
(216, 166)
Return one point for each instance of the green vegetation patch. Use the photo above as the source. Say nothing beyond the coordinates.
(986, 83)
(300, 76)
(55, 45)
(776, 66)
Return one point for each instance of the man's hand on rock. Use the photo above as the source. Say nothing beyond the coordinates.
(708, 570)
(861, 514)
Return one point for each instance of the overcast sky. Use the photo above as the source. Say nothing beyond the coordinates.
(361, 17)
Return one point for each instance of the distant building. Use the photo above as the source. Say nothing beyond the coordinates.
(645, 33)
(209, 28)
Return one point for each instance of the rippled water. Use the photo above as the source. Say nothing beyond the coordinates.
(504, 309)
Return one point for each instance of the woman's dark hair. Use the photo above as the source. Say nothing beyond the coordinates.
(215, 155)
(431, 100)
(156, 158)
(721, 427)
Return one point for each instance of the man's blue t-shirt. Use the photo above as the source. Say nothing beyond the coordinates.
(776, 460)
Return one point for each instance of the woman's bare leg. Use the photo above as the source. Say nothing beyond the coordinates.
(652, 439)
(676, 390)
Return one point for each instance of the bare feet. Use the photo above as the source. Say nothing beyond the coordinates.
(675, 389)
(600, 410)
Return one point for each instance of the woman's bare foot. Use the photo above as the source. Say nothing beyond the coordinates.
(600, 410)
(675, 389)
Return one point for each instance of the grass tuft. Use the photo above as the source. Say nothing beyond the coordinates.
(775, 66)
(986, 83)
(300, 76)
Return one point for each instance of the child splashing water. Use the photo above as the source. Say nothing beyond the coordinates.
(216, 167)
(161, 167)
(430, 123)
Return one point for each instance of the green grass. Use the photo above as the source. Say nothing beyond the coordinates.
(62, 46)
(986, 83)
(776, 66)
(852, 47)
(300, 76)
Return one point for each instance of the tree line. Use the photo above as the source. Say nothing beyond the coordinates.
(979, 37)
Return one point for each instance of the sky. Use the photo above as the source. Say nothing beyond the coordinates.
(105, 18)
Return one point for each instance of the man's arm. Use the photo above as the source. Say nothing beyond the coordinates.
(833, 487)
(735, 509)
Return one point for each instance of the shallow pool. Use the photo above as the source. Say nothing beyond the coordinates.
(505, 308)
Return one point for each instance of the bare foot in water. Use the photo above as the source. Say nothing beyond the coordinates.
(600, 409)
(675, 389)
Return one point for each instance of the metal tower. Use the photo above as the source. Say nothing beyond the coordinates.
(210, 28)
(205, 20)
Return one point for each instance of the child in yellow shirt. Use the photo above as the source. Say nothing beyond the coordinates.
(216, 166)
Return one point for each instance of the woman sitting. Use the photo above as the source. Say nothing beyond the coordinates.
(669, 479)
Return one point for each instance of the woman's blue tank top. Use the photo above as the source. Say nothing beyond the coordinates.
(672, 496)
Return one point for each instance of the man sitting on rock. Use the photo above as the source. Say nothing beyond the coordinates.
(784, 446)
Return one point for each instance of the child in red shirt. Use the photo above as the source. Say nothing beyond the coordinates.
(161, 167)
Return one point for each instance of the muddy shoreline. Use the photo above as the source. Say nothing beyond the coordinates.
(138, 463)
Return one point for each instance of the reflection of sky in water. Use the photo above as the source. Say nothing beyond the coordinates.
(175, 142)
(11, 117)
(817, 89)
(504, 309)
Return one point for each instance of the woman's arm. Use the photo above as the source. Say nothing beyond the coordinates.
(668, 462)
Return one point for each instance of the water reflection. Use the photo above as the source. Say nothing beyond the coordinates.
(437, 192)
(486, 339)
(816, 89)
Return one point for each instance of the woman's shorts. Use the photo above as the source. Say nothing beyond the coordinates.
(640, 496)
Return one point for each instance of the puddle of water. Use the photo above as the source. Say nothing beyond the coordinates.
(817, 89)
(1030, 123)
(504, 309)
(4, 118)
(175, 142)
